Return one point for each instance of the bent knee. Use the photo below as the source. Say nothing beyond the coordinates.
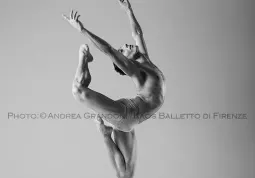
(127, 124)
(125, 127)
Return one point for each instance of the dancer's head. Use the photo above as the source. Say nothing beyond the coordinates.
(129, 51)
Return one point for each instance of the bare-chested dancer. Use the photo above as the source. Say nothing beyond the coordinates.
(130, 60)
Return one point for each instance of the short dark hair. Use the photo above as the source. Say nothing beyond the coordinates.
(117, 69)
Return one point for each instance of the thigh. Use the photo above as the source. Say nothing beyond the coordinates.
(109, 110)
(126, 142)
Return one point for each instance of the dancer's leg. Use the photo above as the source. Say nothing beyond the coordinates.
(116, 157)
(126, 142)
(82, 75)
(111, 110)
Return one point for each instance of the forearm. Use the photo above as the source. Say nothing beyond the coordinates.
(101, 44)
(135, 27)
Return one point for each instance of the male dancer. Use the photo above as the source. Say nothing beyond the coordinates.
(130, 60)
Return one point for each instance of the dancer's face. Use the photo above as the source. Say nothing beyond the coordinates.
(129, 50)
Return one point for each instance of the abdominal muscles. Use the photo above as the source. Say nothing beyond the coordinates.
(153, 89)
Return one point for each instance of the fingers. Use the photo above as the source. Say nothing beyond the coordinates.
(65, 17)
(73, 15)
(76, 16)
(123, 1)
(77, 19)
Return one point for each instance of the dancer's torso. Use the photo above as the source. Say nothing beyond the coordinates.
(150, 87)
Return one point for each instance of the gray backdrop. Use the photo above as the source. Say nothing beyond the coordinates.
(205, 49)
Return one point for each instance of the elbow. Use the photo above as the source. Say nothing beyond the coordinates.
(137, 31)
(136, 34)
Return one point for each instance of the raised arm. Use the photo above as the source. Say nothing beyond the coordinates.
(101, 44)
(136, 29)
(118, 58)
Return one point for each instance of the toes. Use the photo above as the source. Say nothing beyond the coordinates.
(84, 52)
(86, 47)
(82, 46)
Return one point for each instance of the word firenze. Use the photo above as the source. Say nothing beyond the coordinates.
(159, 115)
(215, 115)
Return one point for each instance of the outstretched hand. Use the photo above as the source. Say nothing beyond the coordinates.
(125, 4)
(73, 19)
